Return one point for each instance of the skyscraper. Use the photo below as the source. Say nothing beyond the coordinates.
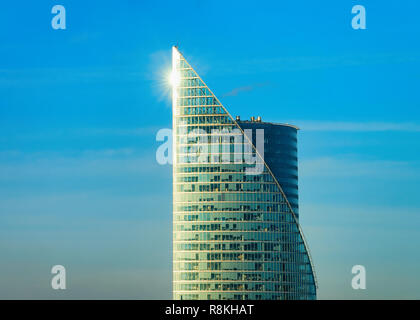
(236, 234)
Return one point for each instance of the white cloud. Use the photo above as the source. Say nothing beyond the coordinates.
(356, 126)
(298, 63)
(88, 163)
(339, 167)
(234, 92)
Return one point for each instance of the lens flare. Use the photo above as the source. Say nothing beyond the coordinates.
(174, 78)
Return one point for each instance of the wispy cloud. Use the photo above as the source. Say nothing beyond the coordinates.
(137, 131)
(298, 63)
(123, 162)
(356, 126)
(338, 168)
(22, 77)
(58, 133)
(234, 92)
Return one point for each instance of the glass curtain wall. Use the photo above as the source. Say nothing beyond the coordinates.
(235, 235)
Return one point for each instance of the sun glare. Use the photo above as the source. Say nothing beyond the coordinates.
(174, 78)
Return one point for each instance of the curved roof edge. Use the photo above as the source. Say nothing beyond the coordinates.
(272, 123)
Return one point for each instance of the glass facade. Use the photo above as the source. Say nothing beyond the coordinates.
(280, 154)
(235, 234)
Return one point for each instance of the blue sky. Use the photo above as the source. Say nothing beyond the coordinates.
(80, 108)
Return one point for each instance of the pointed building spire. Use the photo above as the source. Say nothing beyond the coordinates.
(208, 195)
